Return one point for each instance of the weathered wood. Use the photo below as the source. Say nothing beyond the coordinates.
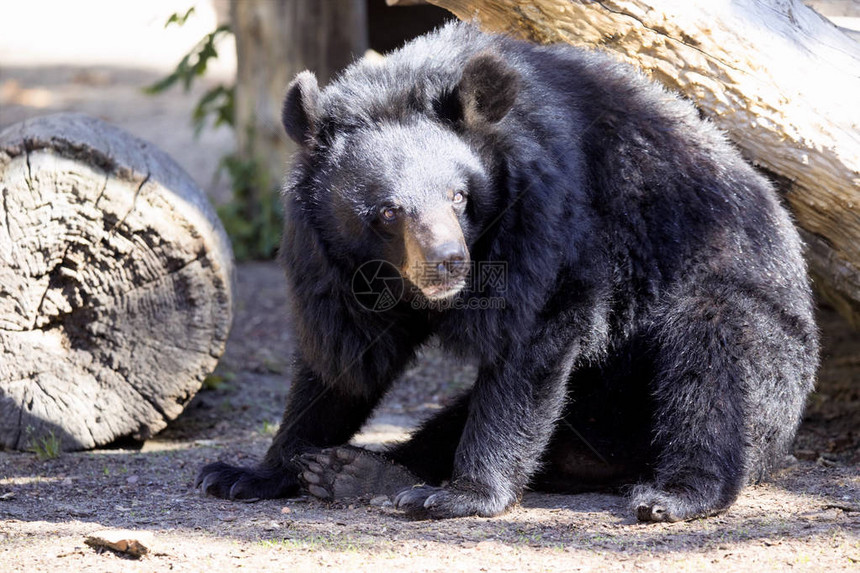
(275, 40)
(782, 82)
(115, 284)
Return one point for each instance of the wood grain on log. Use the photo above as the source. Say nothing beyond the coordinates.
(115, 284)
(779, 79)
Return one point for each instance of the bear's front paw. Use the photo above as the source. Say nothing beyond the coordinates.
(231, 482)
(445, 502)
(652, 504)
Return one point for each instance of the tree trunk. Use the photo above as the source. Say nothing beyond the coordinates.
(115, 284)
(275, 40)
(779, 79)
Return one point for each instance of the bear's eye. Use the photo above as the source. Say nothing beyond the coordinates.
(388, 213)
(458, 197)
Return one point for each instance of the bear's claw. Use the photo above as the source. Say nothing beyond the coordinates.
(445, 502)
(653, 504)
(231, 482)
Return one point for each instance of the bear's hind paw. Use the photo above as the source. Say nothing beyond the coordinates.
(346, 471)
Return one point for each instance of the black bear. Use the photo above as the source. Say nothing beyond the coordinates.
(656, 326)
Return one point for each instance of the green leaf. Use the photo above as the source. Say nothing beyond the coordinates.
(178, 19)
(253, 219)
(194, 64)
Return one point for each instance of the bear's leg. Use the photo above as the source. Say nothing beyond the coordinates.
(706, 361)
(429, 452)
(513, 408)
(316, 416)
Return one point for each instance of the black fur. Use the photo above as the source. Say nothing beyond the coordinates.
(300, 107)
(657, 322)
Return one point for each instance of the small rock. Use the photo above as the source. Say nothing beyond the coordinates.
(78, 512)
(285, 509)
(133, 543)
(380, 501)
(133, 479)
(8, 496)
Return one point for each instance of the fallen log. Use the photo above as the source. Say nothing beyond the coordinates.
(782, 81)
(115, 285)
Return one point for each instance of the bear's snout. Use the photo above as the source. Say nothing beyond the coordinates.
(450, 260)
(437, 260)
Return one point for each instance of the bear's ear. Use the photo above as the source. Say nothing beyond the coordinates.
(488, 89)
(301, 108)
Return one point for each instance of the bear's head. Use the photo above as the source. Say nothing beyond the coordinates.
(395, 170)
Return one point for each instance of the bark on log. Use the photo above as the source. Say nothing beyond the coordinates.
(275, 40)
(115, 284)
(778, 78)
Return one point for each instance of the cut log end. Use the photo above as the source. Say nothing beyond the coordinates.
(115, 285)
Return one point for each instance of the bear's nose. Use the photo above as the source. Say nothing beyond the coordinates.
(451, 261)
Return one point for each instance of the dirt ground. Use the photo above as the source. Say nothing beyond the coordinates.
(807, 518)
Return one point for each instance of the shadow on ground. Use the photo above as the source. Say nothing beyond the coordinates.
(810, 507)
